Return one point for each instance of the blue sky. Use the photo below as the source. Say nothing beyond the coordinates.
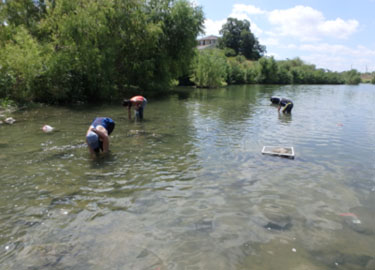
(333, 34)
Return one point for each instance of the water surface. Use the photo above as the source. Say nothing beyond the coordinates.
(188, 188)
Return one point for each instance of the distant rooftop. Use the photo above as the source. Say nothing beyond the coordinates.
(207, 42)
(211, 37)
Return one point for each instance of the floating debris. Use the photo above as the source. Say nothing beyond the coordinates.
(356, 221)
(294, 250)
(47, 128)
(10, 120)
(348, 215)
(279, 151)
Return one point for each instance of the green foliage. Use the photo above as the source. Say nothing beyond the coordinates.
(268, 70)
(69, 50)
(373, 79)
(21, 62)
(297, 72)
(241, 71)
(236, 35)
(209, 69)
(352, 77)
(236, 74)
(6, 103)
(229, 52)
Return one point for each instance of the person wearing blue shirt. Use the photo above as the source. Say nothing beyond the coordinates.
(97, 136)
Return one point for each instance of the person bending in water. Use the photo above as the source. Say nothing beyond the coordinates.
(284, 103)
(97, 136)
(139, 103)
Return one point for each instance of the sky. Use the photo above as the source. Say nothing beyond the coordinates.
(337, 35)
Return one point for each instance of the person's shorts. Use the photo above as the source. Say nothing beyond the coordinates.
(288, 108)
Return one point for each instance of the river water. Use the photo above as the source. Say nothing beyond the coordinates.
(188, 188)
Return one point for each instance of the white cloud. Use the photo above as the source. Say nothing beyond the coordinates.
(308, 24)
(338, 28)
(269, 41)
(213, 27)
(337, 49)
(242, 12)
(334, 63)
(326, 48)
(247, 9)
(339, 57)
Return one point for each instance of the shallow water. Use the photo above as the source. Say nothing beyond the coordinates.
(189, 188)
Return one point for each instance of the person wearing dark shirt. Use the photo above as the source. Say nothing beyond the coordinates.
(286, 104)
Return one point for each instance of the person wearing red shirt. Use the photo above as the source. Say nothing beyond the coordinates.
(138, 103)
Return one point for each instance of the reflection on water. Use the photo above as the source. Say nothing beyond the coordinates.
(188, 188)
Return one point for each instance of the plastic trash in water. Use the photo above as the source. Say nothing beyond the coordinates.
(348, 215)
(354, 217)
(356, 221)
(10, 120)
(47, 128)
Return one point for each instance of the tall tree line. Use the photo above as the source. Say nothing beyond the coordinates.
(89, 50)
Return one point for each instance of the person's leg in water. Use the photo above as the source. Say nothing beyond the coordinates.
(140, 111)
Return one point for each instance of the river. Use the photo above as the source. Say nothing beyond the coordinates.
(189, 187)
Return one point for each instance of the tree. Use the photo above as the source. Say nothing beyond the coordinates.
(352, 77)
(84, 50)
(22, 12)
(268, 70)
(209, 69)
(238, 36)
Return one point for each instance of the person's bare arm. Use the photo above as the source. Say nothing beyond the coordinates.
(102, 133)
(105, 144)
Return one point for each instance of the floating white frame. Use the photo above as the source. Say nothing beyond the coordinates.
(267, 150)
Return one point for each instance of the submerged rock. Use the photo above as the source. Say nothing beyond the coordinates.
(204, 226)
(278, 221)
